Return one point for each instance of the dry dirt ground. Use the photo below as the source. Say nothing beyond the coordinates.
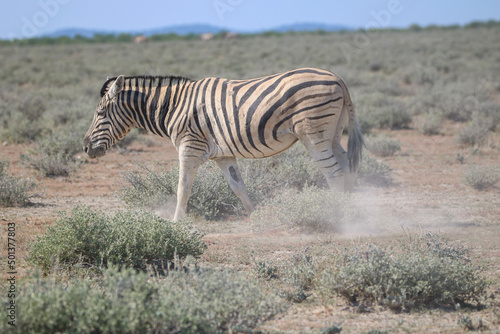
(428, 193)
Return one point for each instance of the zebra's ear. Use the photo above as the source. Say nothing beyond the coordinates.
(117, 87)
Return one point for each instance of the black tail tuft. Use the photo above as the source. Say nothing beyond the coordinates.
(354, 145)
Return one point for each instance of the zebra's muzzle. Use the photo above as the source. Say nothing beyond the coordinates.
(95, 152)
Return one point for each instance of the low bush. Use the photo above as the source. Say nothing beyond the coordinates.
(297, 275)
(393, 116)
(130, 238)
(211, 195)
(224, 301)
(19, 129)
(54, 154)
(126, 301)
(475, 131)
(421, 272)
(491, 111)
(311, 210)
(14, 191)
(21, 116)
(431, 124)
(480, 177)
(374, 172)
(379, 111)
(383, 146)
(293, 168)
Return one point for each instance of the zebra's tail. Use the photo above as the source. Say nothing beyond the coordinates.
(355, 142)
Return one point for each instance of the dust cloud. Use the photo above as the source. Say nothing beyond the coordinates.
(167, 210)
(383, 211)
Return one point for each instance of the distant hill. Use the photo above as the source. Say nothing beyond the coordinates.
(194, 29)
(306, 26)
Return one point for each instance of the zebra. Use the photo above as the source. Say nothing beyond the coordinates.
(221, 120)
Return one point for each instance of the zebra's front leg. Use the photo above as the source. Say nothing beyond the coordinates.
(188, 166)
(232, 173)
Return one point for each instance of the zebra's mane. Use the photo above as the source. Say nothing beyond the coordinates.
(146, 80)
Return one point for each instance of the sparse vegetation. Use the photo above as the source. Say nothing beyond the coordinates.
(374, 172)
(14, 191)
(54, 155)
(431, 125)
(480, 177)
(134, 239)
(299, 275)
(422, 272)
(311, 210)
(383, 146)
(211, 196)
(475, 131)
(377, 110)
(125, 301)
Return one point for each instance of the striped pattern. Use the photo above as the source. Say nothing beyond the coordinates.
(222, 119)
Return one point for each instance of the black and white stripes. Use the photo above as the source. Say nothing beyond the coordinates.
(223, 119)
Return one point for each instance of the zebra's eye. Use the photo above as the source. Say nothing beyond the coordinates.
(101, 111)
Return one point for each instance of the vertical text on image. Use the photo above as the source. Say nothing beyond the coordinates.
(11, 273)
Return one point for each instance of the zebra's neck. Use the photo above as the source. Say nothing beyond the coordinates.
(150, 101)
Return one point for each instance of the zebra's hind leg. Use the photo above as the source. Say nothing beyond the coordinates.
(341, 156)
(232, 173)
(327, 159)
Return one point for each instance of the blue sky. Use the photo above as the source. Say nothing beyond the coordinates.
(34, 17)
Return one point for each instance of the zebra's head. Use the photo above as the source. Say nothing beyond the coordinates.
(109, 124)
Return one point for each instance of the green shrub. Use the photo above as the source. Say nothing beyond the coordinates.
(383, 146)
(120, 303)
(491, 111)
(394, 116)
(211, 195)
(448, 98)
(423, 272)
(480, 177)
(372, 171)
(14, 191)
(223, 301)
(420, 75)
(293, 168)
(19, 129)
(54, 154)
(20, 118)
(431, 124)
(126, 301)
(379, 111)
(127, 239)
(296, 275)
(311, 210)
(299, 275)
(266, 270)
(475, 131)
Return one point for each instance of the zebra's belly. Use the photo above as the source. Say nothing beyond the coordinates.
(283, 142)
